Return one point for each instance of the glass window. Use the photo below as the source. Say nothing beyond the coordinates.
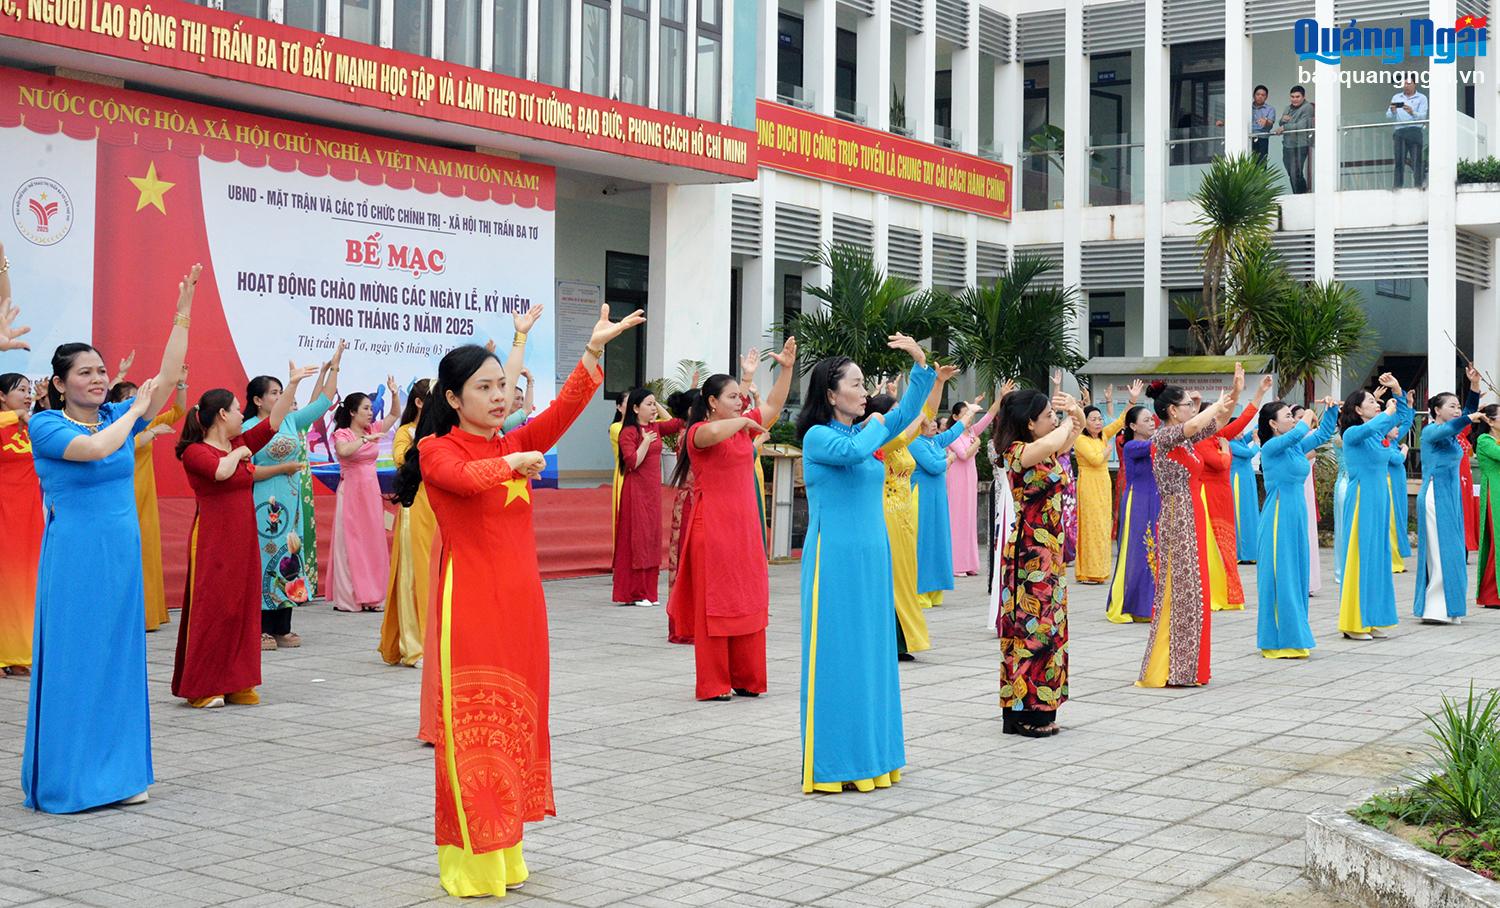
(552, 42)
(595, 49)
(461, 32)
(253, 8)
(306, 14)
(635, 59)
(413, 30)
(708, 77)
(626, 282)
(640, 6)
(709, 13)
(674, 10)
(510, 37)
(359, 20)
(671, 82)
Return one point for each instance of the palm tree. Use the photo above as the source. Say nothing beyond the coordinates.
(1237, 210)
(1312, 331)
(865, 306)
(1013, 330)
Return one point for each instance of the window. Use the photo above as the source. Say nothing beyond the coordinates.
(791, 307)
(711, 14)
(635, 53)
(360, 20)
(789, 56)
(671, 79)
(254, 8)
(413, 31)
(306, 14)
(845, 73)
(710, 61)
(736, 312)
(461, 32)
(510, 37)
(595, 79)
(626, 283)
(552, 43)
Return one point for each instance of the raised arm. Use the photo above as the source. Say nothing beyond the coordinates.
(108, 440)
(1327, 428)
(177, 341)
(775, 402)
(393, 412)
(1059, 439)
(1114, 426)
(289, 396)
(931, 457)
(446, 469)
(826, 445)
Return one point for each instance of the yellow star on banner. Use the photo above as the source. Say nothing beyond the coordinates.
(516, 488)
(152, 189)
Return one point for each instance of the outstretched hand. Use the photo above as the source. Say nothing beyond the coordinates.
(606, 330)
(10, 332)
(788, 355)
(910, 347)
(142, 402)
(749, 362)
(946, 373)
(527, 320)
(186, 289)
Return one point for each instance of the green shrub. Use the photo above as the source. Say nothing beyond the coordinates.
(1465, 782)
(1484, 170)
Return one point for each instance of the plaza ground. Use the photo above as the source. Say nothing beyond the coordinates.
(323, 795)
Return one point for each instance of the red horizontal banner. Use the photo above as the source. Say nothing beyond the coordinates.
(197, 39)
(823, 148)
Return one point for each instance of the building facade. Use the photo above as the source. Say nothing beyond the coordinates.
(1106, 114)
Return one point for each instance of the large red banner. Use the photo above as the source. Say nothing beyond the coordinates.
(805, 143)
(198, 39)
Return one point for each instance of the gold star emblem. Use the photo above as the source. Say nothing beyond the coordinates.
(517, 488)
(152, 189)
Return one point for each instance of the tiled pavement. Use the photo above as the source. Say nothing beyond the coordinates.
(1188, 797)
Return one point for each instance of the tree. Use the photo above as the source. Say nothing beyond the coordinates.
(1236, 209)
(1014, 330)
(865, 306)
(1311, 331)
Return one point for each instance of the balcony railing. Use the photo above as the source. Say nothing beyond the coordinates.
(796, 95)
(1190, 151)
(851, 110)
(947, 136)
(991, 152)
(1383, 154)
(1473, 139)
(1041, 180)
(1116, 170)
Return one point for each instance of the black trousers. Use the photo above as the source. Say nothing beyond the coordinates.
(1295, 161)
(1408, 141)
(1260, 147)
(277, 621)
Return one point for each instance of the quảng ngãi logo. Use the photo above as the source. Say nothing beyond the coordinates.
(42, 211)
(1392, 45)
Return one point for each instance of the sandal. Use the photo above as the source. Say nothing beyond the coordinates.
(267, 643)
(745, 692)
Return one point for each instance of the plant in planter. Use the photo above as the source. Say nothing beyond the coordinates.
(690, 374)
(1483, 170)
(1015, 330)
(898, 110)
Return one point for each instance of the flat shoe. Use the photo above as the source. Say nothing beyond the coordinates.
(743, 692)
(288, 641)
(141, 798)
(206, 703)
(267, 643)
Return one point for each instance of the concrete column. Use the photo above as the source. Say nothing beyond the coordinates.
(575, 46)
(1486, 350)
(881, 246)
(1323, 91)
(533, 37)
(614, 46)
(688, 303)
(758, 288)
(965, 83)
(1075, 149)
(925, 279)
(1009, 100)
(1239, 81)
(819, 52)
(765, 68)
(921, 75)
(873, 72)
(653, 66)
(1487, 98)
(1442, 229)
(690, 58)
(1155, 65)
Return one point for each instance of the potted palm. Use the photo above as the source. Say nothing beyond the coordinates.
(1014, 330)
(1237, 210)
(690, 374)
(863, 307)
(1311, 331)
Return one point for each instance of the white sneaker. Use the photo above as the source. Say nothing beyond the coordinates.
(1377, 632)
(141, 798)
(1356, 636)
(653, 603)
(1458, 621)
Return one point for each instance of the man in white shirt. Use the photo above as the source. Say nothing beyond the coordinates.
(1409, 109)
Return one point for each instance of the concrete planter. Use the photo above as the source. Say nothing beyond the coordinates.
(1365, 866)
(1478, 187)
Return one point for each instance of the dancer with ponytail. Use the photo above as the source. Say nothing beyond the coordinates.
(285, 576)
(851, 691)
(1033, 576)
(1210, 470)
(1485, 438)
(146, 504)
(722, 580)
(218, 639)
(493, 753)
(1132, 587)
(21, 515)
(1442, 558)
(636, 567)
(1178, 650)
(361, 569)
(1282, 549)
(1367, 595)
(407, 597)
(90, 645)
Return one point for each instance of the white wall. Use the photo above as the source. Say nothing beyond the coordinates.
(586, 230)
(1399, 326)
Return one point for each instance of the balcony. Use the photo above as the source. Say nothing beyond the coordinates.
(947, 137)
(1041, 180)
(796, 95)
(1382, 154)
(851, 111)
(1190, 151)
(1116, 170)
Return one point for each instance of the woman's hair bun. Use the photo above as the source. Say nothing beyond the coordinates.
(1154, 389)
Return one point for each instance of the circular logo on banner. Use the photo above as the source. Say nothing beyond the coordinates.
(42, 211)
